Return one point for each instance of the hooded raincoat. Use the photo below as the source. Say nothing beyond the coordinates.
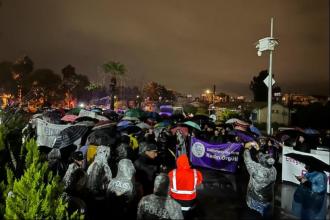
(121, 192)
(123, 184)
(99, 172)
(260, 190)
(184, 180)
(159, 205)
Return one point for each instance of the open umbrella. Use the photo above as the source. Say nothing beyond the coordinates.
(153, 115)
(143, 125)
(69, 135)
(134, 113)
(69, 118)
(310, 161)
(183, 130)
(74, 111)
(176, 118)
(311, 131)
(200, 118)
(86, 118)
(255, 130)
(104, 124)
(131, 129)
(232, 121)
(162, 124)
(110, 114)
(244, 136)
(100, 137)
(101, 118)
(124, 123)
(97, 110)
(193, 125)
(86, 123)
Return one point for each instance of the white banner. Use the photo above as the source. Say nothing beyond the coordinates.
(292, 168)
(47, 132)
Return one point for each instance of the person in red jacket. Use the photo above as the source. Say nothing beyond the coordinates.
(183, 183)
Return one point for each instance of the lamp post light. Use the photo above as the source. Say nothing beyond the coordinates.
(268, 44)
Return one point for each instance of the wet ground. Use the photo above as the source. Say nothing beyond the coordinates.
(222, 196)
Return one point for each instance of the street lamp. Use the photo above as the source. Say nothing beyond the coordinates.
(268, 44)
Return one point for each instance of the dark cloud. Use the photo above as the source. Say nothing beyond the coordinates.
(187, 45)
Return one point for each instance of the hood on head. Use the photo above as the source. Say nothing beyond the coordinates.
(125, 169)
(54, 154)
(182, 162)
(265, 160)
(102, 154)
(161, 185)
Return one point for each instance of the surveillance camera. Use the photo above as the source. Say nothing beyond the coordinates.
(259, 53)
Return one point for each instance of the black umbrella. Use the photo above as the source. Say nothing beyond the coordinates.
(310, 161)
(99, 137)
(177, 118)
(112, 115)
(131, 129)
(69, 135)
(86, 118)
(200, 118)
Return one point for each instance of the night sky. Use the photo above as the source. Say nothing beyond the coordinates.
(186, 45)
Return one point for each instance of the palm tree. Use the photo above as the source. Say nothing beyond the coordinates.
(114, 69)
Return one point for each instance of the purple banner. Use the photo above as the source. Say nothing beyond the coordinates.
(215, 156)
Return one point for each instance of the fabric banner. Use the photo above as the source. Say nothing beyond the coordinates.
(292, 168)
(47, 132)
(215, 156)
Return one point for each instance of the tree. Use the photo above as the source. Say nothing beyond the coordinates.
(259, 88)
(155, 92)
(228, 114)
(114, 69)
(74, 85)
(80, 91)
(37, 194)
(21, 68)
(7, 83)
(47, 83)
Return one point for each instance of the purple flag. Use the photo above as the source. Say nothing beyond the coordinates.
(215, 156)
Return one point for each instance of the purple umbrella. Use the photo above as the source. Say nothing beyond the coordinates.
(124, 123)
(244, 136)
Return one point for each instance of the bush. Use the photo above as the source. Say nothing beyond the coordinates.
(37, 194)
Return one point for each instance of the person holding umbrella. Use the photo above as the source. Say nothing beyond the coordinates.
(314, 178)
(260, 190)
(309, 200)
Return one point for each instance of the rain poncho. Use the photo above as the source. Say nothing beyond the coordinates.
(55, 162)
(260, 189)
(159, 205)
(123, 184)
(68, 177)
(121, 192)
(99, 172)
(124, 151)
(318, 181)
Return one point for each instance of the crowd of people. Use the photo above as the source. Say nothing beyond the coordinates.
(122, 170)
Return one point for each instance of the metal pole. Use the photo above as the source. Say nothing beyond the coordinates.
(270, 77)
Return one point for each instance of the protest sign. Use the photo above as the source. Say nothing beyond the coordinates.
(215, 156)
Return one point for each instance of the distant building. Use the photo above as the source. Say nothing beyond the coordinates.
(300, 99)
(280, 114)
